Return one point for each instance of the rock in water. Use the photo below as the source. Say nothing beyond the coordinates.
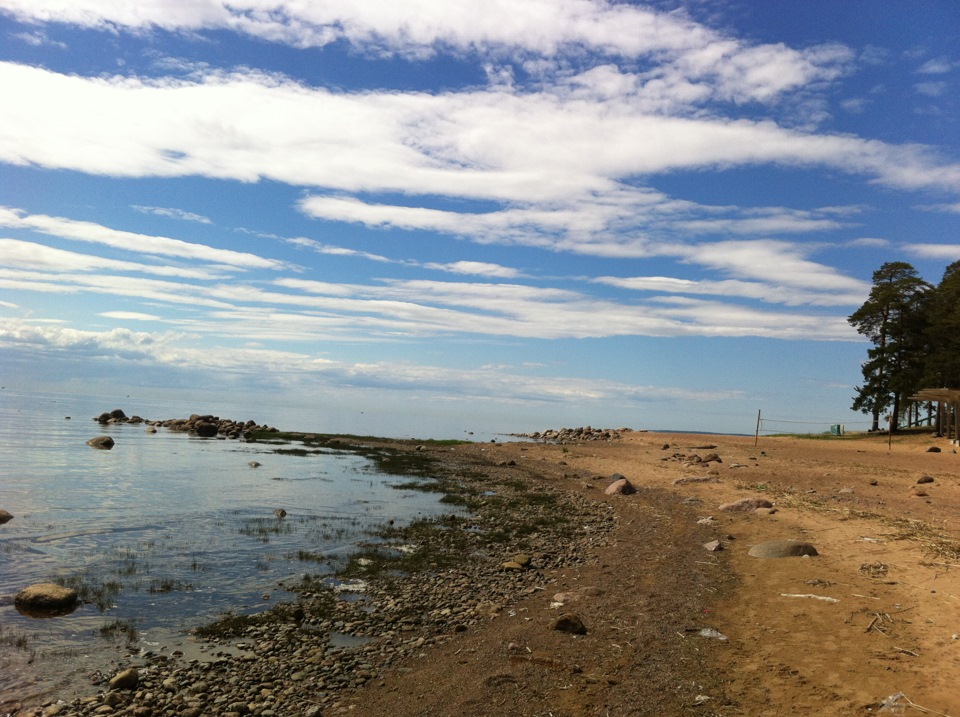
(782, 549)
(104, 443)
(207, 430)
(45, 598)
(5, 516)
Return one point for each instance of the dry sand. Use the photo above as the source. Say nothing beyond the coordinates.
(875, 614)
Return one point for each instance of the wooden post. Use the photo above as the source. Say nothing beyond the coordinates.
(756, 438)
(890, 433)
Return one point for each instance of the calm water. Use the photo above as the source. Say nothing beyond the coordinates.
(174, 529)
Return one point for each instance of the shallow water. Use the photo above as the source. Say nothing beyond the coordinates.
(166, 531)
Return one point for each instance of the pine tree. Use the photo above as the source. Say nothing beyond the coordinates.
(893, 318)
(942, 368)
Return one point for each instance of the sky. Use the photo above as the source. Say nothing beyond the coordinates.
(427, 217)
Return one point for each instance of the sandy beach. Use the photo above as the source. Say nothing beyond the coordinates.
(875, 615)
(646, 603)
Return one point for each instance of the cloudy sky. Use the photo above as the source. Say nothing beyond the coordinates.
(493, 215)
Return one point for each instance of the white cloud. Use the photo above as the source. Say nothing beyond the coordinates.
(178, 351)
(477, 268)
(173, 213)
(766, 292)
(870, 242)
(937, 66)
(39, 39)
(131, 241)
(950, 207)
(129, 316)
(947, 252)
(931, 89)
(492, 144)
(29, 255)
(775, 262)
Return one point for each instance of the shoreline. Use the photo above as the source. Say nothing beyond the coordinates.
(643, 584)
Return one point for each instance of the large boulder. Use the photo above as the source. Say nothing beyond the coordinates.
(104, 443)
(45, 598)
(620, 486)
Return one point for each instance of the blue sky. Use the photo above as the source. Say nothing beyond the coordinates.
(493, 215)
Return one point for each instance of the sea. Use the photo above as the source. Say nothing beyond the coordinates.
(165, 532)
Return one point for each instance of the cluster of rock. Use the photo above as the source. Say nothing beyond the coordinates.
(207, 426)
(575, 435)
(291, 660)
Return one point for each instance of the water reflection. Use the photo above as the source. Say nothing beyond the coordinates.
(164, 532)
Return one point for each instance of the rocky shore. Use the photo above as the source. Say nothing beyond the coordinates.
(207, 425)
(412, 588)
(738, 576)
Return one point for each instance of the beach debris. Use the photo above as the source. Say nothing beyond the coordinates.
(280, 513)
(254, 464)
(874, 570)
(125, 680)
(5, 516)
(745, 505)
(709, 520)
(782, 549)
(918, 492)
(824, 598)
(933, 449)
(925, 479)
(700, 700)
(43, 598)
(714, 546)
(712, 634)
(562, 598)
(845, 491)
(711, 458)
(620, 486)
(103, 443)
(570, 623)
(696, 479)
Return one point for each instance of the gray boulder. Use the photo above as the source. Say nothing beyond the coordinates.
(104, 443)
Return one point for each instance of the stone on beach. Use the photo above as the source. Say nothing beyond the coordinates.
(782, 549)
(696, 479)
(745, 505)
(568, 622)
(104, 443)
(46, 597)
(620, 486)
(126, 680)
